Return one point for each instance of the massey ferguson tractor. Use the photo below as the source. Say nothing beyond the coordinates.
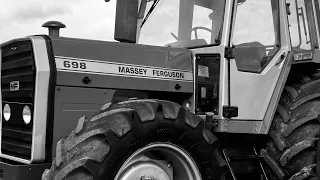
(190, 90)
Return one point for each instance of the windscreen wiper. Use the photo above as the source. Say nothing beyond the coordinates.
(150, 11)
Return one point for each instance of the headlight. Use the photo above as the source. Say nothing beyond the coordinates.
(6, 112)
(26, 114)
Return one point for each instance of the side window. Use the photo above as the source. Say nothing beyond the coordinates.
(298, 24)
(207, 20)
(255, 35)
(202, 21)
(161, 23)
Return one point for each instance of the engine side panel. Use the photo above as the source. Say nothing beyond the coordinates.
(72, 103)
(92, 73)
(122, 66)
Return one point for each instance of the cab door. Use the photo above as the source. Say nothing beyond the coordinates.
(261, 43)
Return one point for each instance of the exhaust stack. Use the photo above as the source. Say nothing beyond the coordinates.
(54, 27)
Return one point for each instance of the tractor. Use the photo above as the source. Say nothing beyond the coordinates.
(189, 90)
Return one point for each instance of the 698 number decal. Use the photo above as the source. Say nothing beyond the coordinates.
(74, 65)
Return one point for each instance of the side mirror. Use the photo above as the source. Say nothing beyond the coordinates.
(126, 21)
(250, 56)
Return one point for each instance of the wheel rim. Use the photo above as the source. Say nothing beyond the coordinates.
(159, 161)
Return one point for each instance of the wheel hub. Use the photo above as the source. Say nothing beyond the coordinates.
(146, 178)
(158, 162)
(144, 168)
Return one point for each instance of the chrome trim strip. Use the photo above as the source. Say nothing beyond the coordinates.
(238, 126)
(193, 103)
(40, 99)
(112, 69)
(116, 63)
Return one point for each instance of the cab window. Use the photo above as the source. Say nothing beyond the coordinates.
(186, 23)
(201, 24)
(301, 24)
(256, 34)
(299, 30)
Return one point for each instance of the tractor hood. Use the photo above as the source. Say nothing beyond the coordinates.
(122, 65)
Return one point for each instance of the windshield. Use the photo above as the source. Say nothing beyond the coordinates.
(170, 21)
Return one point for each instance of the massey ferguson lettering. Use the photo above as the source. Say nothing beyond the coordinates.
(150, 72)
(110, 68)
(132, 70)
(166, 74)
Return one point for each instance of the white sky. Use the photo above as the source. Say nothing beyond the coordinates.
(94, 19)
(90, 19)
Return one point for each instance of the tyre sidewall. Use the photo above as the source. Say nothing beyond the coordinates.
(164, 131)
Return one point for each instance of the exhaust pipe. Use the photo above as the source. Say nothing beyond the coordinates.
(54, 27)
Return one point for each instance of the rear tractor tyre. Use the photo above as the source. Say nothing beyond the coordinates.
(295, 131)
(138, 139)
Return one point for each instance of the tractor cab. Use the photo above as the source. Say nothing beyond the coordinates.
(241, 49)
(250, 28)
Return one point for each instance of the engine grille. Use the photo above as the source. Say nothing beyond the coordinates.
(17, 66)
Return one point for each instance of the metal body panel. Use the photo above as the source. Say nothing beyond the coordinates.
(316, 57)
(152, 56)
(116, 82)
(259, 127)
(106, 75)
(265, 126)
(10, 171)
(234, 126)
(252, 92)
(72, 103)
(103, 61)
(40, 101)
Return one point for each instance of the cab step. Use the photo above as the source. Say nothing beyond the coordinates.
(254, 158)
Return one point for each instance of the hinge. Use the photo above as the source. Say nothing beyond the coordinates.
(288, 9)
(229, 52)
(230, 111)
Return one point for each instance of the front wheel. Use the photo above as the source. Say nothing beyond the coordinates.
(139, 139)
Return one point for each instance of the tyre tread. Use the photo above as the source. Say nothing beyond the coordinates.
(295, 129)
(87, 143)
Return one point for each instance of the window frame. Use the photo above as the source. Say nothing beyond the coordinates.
(275, 5)
(311, 23)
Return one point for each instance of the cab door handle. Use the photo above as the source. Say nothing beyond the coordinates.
(282, 58)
